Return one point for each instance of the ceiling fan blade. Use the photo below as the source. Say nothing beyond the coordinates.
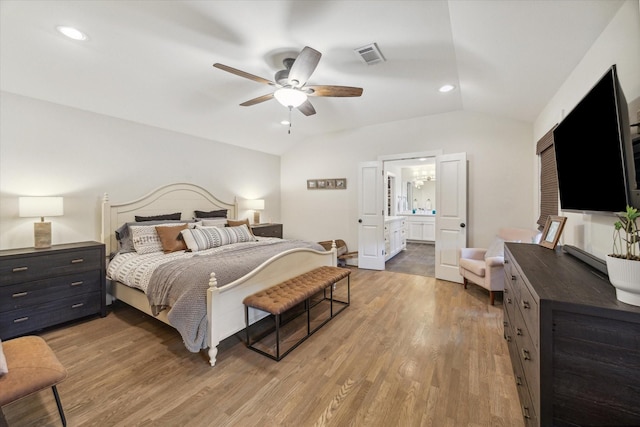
(243, 74)
(306, 108)
(303, 66)
(341, 91)
(257, 100)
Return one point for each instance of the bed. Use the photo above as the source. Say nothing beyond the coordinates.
(223, 305)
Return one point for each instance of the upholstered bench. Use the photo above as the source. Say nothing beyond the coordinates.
(279, 299)
(32, 366)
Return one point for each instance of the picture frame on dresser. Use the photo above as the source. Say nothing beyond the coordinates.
(552, 231)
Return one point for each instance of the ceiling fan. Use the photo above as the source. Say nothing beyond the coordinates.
(292, 90)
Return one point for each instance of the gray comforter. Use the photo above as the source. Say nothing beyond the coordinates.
(181, 286)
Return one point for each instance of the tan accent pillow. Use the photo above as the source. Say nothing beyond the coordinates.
(233, 223)
(171, 239)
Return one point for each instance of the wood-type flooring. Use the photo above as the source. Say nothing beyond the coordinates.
(409, 351)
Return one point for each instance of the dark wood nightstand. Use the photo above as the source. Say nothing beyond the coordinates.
(45, 287)
(267, 230)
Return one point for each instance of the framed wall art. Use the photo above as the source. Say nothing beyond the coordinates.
(327, 184)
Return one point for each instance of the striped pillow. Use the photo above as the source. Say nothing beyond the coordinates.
(199, 239)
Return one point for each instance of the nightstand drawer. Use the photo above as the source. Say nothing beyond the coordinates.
(17, 322)
(19, 269)
(26, 294)
(267, 230)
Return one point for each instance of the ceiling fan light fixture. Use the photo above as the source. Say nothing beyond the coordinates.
(290, 97)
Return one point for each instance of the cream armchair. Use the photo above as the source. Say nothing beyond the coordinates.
(485, 266)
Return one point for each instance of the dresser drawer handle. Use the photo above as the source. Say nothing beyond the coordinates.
(508, 338)
(525, 412)
(20, 294)
(77, 261)
(80, 304)
(509, 301)
(21, 319)
(513, 278)
(77, 283)
(519, 331)
(525, 354)
(525, 304)
(518, 380)
(19, 269)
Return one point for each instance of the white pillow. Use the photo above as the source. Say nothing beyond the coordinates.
(4, 369)
(145, 237)
(212, 222)
(201, 238)
(496, 248)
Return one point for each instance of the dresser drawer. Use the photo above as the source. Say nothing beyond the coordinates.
(33, 293)
(17, 322)
(26, 268)
(528, 357)
(529, 309)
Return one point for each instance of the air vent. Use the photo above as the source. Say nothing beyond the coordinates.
(370, 54)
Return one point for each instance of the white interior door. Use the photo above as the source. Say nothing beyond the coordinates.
(371, 216)
(451, 214)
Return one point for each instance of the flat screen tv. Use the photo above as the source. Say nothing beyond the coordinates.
(594, 152)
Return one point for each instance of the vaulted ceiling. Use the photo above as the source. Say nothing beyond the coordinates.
(151, 61)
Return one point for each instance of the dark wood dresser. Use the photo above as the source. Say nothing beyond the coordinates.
(267, 230)
(575, 349)
(45, 287)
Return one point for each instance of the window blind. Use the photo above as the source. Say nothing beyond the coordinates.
(548, 178)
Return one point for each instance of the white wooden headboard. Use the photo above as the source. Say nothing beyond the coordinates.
(181, 197)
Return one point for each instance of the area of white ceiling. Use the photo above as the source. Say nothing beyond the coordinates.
(151, 61)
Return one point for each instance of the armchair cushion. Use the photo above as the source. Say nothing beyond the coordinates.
(475, 266)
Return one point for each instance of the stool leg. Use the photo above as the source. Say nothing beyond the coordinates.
(55, 394)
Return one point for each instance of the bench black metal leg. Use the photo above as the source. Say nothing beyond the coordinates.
(246, 321)
(277, 337)
(60, 410)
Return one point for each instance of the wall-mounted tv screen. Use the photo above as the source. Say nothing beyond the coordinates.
(594, 152)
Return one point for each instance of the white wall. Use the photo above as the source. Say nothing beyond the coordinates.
(618, 44)
(500, 167)
(48, 149)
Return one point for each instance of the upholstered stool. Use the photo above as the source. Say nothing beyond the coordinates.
(32, 367)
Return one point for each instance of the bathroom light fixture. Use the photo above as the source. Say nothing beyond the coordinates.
(290, 97)
(72, 33)
(446, 88)
(29, 207)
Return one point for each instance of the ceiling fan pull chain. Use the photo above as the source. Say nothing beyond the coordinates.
(290, 108)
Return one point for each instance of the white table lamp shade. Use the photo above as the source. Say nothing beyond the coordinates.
(255, 205)
(40, 206)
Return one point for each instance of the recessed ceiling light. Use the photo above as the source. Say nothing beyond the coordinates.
(72, 33)
(447, 88)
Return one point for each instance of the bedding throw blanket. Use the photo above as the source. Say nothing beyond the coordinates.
(181, 285)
